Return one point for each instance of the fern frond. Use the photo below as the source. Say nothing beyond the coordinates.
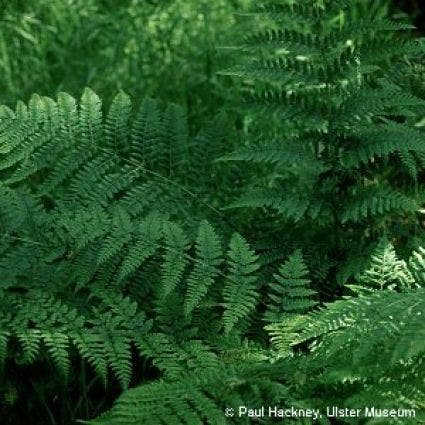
(171, 403)
(416, 266)
(380, 335)
(175, 258)
(376, 201)
(196, 399)
(208, 258)
(57, 344)
(90, 118)
(291, 205)
(240, 292)
(176, 133)
(91, 348)
(4, 337)
(117, 123)
(145, 245)
(290, 294)
(29, 341)
(385, 269)
(119, 236)
(147, 146)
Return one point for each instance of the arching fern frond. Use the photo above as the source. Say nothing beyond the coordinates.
(197, 399)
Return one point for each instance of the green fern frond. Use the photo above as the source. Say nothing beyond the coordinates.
(416, 266)
(30, 341)
(196, 399)
(147, 136)
(122, 227)
(208, 258)
(240, 292)
(117, 123)
(146, 242)
(290, 205)
(91, 348)
(90, 118)
(175, 258)
(290, 294)
(380, 335)
(171, 403)
(176, 133)
(376, 201)
(381, 142)
(4, 337)
(57, 344)
(118, 354)
(385, 269)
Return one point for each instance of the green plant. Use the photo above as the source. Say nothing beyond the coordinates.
(366, 350)
(128, 294)
(363, 350)
(94, 260)
(331, 133)
(52, 46)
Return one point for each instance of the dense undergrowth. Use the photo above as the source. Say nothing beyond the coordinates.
(230, 218)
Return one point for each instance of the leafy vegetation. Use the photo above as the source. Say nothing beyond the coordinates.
(230, 217)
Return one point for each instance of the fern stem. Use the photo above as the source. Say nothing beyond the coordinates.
(43, 402)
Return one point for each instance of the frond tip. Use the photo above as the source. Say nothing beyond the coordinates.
(289, 293)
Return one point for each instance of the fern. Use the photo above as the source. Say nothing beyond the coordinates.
(196, 399)
(90, 119)
(145, 246)
(84, 253)
(208, 252)
(373, 342)
(331, 133)
(147, 141)
(375, 331)
(375, 202)
(385, 270)
(120, 267)
(289, 293)
(175, 258)
(120, 235)
(57, 346)
(117, 123)
(240, 293)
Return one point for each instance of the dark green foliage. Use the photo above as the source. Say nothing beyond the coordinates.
(95, 264)
(84, 209)
(166, 264)
(165, 49)
(362, 348)
(332, 129)
(197, 399)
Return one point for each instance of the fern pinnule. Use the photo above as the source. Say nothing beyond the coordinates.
(90, 117)
(117, 125)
